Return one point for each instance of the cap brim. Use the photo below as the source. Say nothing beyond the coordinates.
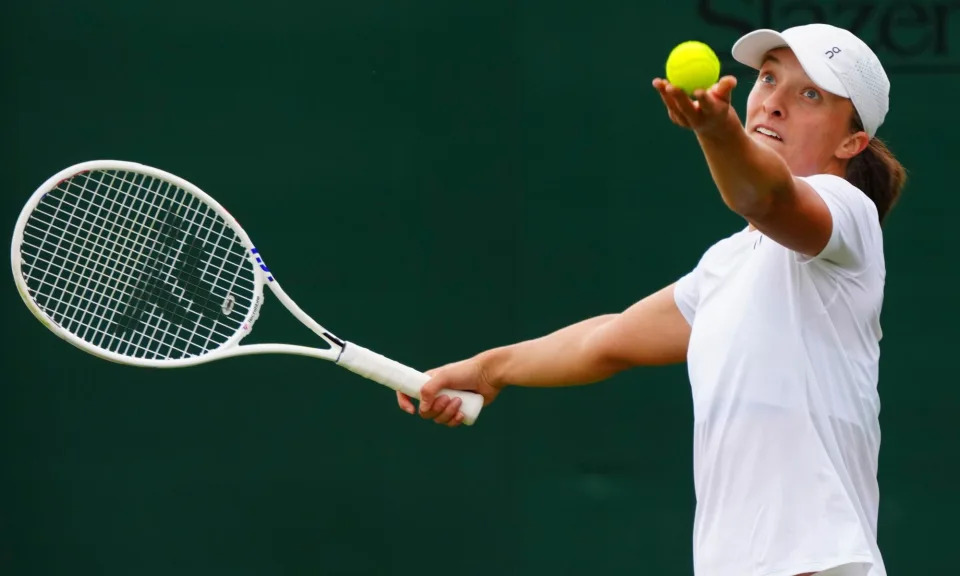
(751, 49)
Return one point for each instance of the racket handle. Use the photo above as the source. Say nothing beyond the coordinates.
(402, 378)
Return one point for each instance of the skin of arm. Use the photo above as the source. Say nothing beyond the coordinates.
(753, 179)
(755, 182)
(651, 332)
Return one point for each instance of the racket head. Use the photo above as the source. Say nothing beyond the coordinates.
(136, 265)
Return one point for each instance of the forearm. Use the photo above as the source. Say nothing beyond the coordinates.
(562, 358)
(750, 176)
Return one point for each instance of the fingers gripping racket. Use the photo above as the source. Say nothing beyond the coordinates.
(138, 266)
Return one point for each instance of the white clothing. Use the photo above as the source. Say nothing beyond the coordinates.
(783, 365)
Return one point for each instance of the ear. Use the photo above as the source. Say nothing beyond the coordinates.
(852, 145)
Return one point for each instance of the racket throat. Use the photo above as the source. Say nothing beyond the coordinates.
(335, 340)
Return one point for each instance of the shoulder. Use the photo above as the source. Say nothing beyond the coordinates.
(856, 239)
(687, 287)
(837, 192)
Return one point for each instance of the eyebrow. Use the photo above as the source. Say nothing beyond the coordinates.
(770, 58)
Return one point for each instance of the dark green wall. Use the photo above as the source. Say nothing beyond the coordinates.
(429, 179)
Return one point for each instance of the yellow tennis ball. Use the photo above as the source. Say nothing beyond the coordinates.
(693, 65)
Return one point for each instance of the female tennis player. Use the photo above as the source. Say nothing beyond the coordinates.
(778, 323)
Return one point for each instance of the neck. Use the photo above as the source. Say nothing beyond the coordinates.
(835, 166)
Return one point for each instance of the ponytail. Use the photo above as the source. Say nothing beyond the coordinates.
(877, 173)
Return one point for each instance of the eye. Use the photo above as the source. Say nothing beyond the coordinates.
(811, 94)
(766, 78)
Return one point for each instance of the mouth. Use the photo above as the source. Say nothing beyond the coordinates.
(768, 133)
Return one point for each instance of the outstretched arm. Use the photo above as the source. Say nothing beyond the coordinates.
(754, 180)
(651, 332)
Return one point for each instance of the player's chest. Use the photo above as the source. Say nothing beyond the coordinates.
(734, 262)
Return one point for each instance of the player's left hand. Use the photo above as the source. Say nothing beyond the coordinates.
(707, 110)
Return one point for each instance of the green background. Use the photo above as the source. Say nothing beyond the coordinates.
(429, 179)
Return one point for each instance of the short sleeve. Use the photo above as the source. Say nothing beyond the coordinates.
(686, 293)
(855, 237)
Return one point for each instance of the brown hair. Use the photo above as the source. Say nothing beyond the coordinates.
(876, 172)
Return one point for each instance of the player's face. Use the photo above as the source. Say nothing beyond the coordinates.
(808, 126)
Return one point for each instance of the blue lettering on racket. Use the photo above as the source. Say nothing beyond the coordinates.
(262, 265)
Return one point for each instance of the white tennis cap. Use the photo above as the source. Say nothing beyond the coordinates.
(835, 59)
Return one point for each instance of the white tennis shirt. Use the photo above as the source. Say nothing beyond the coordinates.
(783, 365)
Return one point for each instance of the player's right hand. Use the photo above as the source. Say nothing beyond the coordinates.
(464, 375)
(704, 111)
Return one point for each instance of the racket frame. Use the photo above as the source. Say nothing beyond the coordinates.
(349, 355)
(230, 347)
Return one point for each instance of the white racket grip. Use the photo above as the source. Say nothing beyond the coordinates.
(402, 378)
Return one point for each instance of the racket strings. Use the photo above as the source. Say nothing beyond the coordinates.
(151, 292)
(71, 226)
(136, 265)
(123, 262)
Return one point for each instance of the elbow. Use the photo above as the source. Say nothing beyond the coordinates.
(602, 356)
(610, 363)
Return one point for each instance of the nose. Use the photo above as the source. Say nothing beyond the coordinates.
(773, 105)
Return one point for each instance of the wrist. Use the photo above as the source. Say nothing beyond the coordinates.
(491, 365)
(723, 130)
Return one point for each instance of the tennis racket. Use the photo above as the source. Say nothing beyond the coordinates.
(138, 266)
